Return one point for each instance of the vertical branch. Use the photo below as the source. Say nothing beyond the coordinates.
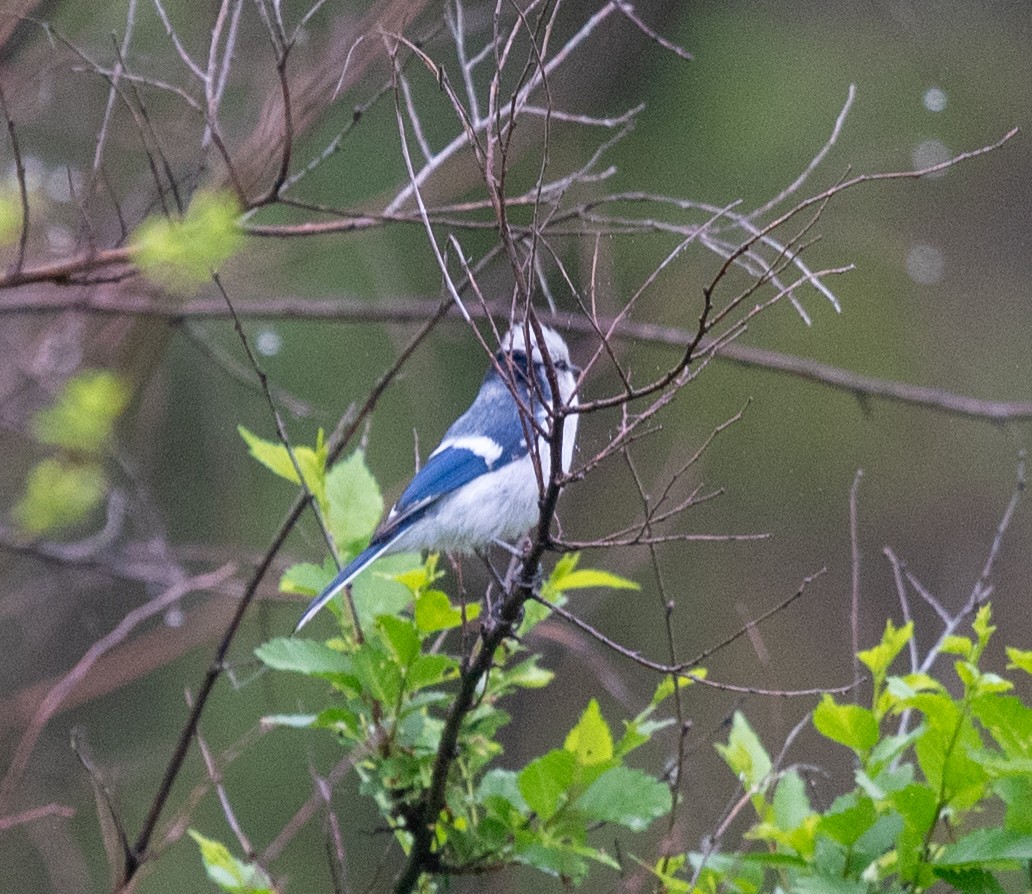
(23, 191)
(854, 590)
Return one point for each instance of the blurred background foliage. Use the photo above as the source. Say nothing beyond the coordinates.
(939, 297)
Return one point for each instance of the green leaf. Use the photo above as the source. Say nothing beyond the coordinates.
(983, 628)
(1016, 793)
(560, 860)
(590, 577)
(401, 636)
(744, 754)
(666, 687)
(849, 725)
(376, 591)
(307, 579)
(791, 804)
(1020, 659)
(180, 254)
(988, 845)
(957, 645)
(10, 215)
(83, 415)
(229, 873)
(275, 457)
(434, 612)
(881, 656)
(502, 784)
(545, 780)
(355, 503)
(58, 492)
(429, 670)
(378, 674)
(849, 817)
(970, 880)
(303, 656)
(527, 674)
(625, 796)
(590, 740)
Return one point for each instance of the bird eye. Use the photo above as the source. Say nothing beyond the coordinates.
(562, 366)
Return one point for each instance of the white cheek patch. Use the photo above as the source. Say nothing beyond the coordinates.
(489, 450)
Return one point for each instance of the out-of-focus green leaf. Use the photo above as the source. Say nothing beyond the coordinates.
(180, 254)
(82, 417)
(58, 492)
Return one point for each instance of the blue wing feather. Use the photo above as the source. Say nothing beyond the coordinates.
(444, 472)
(347, 574)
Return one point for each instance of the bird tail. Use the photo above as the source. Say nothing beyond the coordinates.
(347, 574)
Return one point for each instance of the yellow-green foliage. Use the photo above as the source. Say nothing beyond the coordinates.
(180, 254)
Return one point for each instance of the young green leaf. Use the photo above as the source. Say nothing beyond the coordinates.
(849, 725)
(879, 658)
(744, 754)
(434, 612)
(275, 457)
(590, 740)
(229, 873)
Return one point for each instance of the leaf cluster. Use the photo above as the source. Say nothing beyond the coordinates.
(934, 772)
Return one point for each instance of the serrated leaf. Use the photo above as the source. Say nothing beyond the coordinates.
(590, 740)
(307, 579)
(229, 873)
(849, 725)
(401, 636)
(881, 656)
(545, 780)
(429, 670)
(625, 796)
(276, 458)
(354, 501)
(562, 861)
(378, 674)
(957, 645)
(303, 656)
(791, 804)
(988, 845)
(180, 254)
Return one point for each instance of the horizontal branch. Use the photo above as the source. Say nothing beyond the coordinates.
(403, 310)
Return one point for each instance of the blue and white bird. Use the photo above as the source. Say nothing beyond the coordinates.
(480, 486)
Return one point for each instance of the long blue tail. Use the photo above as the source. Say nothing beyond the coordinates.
(347, 574)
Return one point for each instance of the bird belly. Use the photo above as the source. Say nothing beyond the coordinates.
(499, 505)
